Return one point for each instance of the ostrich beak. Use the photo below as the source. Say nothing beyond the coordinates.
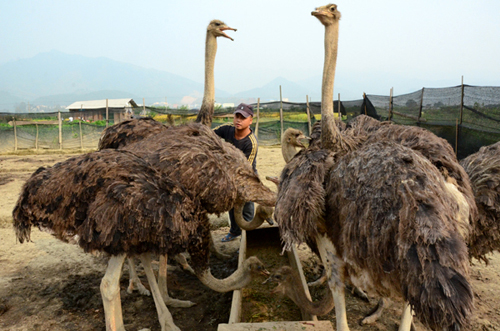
(265, 273)
(318, 12)
(273, 179)
(269, 279)
(224, 34)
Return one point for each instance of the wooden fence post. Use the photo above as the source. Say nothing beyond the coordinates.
(364, 101)
(308, 115)
(459, 126)
(107, 114)
(60, 129)
(258, 118)
(390, 105)
(81, 137)
(281, 114)
(36, 138)
(340, 114)
(15, 135)
(421, 105)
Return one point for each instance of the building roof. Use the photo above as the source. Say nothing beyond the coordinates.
(101, 104)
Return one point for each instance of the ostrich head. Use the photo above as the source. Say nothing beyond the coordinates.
(290, 141)
(284, 278)
(294, 137)
(217, 28)
(327, 14)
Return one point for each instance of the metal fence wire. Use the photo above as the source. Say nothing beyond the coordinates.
(468, 117)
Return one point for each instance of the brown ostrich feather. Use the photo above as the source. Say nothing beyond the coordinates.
(216, 172)
(113, 201)
(301, 196)
(129, 131)
(434, 148)
(390, 217)
(483, 169)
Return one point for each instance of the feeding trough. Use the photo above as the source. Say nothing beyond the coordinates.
(255, 307)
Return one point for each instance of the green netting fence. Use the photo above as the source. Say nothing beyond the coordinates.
(467, 116)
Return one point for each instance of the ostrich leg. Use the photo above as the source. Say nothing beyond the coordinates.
(134, 281)
(181, 259)
(406, 319)
(110, 292)
(162, 284)
(334, 269)
(375, 314)
(164, 316)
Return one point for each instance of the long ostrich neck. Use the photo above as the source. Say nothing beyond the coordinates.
(330, 135)
(238, 279)
(293, 289)
(207, 106)
(261, 214)
(288, 150)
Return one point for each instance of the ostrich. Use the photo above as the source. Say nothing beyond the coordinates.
(288, 285)
(132, 135)
(115, 202)
(382, 214)
(483, 169)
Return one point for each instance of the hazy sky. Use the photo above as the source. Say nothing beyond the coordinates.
(383, 44)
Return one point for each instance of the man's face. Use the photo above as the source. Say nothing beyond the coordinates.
(241, 123)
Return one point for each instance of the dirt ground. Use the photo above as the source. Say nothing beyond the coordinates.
(51, 285)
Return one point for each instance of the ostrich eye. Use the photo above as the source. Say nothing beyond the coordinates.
(217, 24)
(332, 8)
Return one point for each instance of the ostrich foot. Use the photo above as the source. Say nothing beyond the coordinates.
(181, 259)
(164, 316)
(137, 285)
(375, 313)
(321, 280)
(171, 302)
(359, 293)
(134, 282)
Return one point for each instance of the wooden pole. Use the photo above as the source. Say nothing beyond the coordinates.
(459, 125)
(81, 137)
(15, 135)
(36, 138)
(462, 102)
(308, 110)
(143, 107)
(258, 118)
(456, 137)
(364, 101)
(60, 129)
(281, 114)
(340, 115)
(107, 114)
(390, 105)
(421, 105)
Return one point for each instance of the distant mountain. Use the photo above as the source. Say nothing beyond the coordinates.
(7, 101)
(270, 91)
(68, 98)
(57, 77)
